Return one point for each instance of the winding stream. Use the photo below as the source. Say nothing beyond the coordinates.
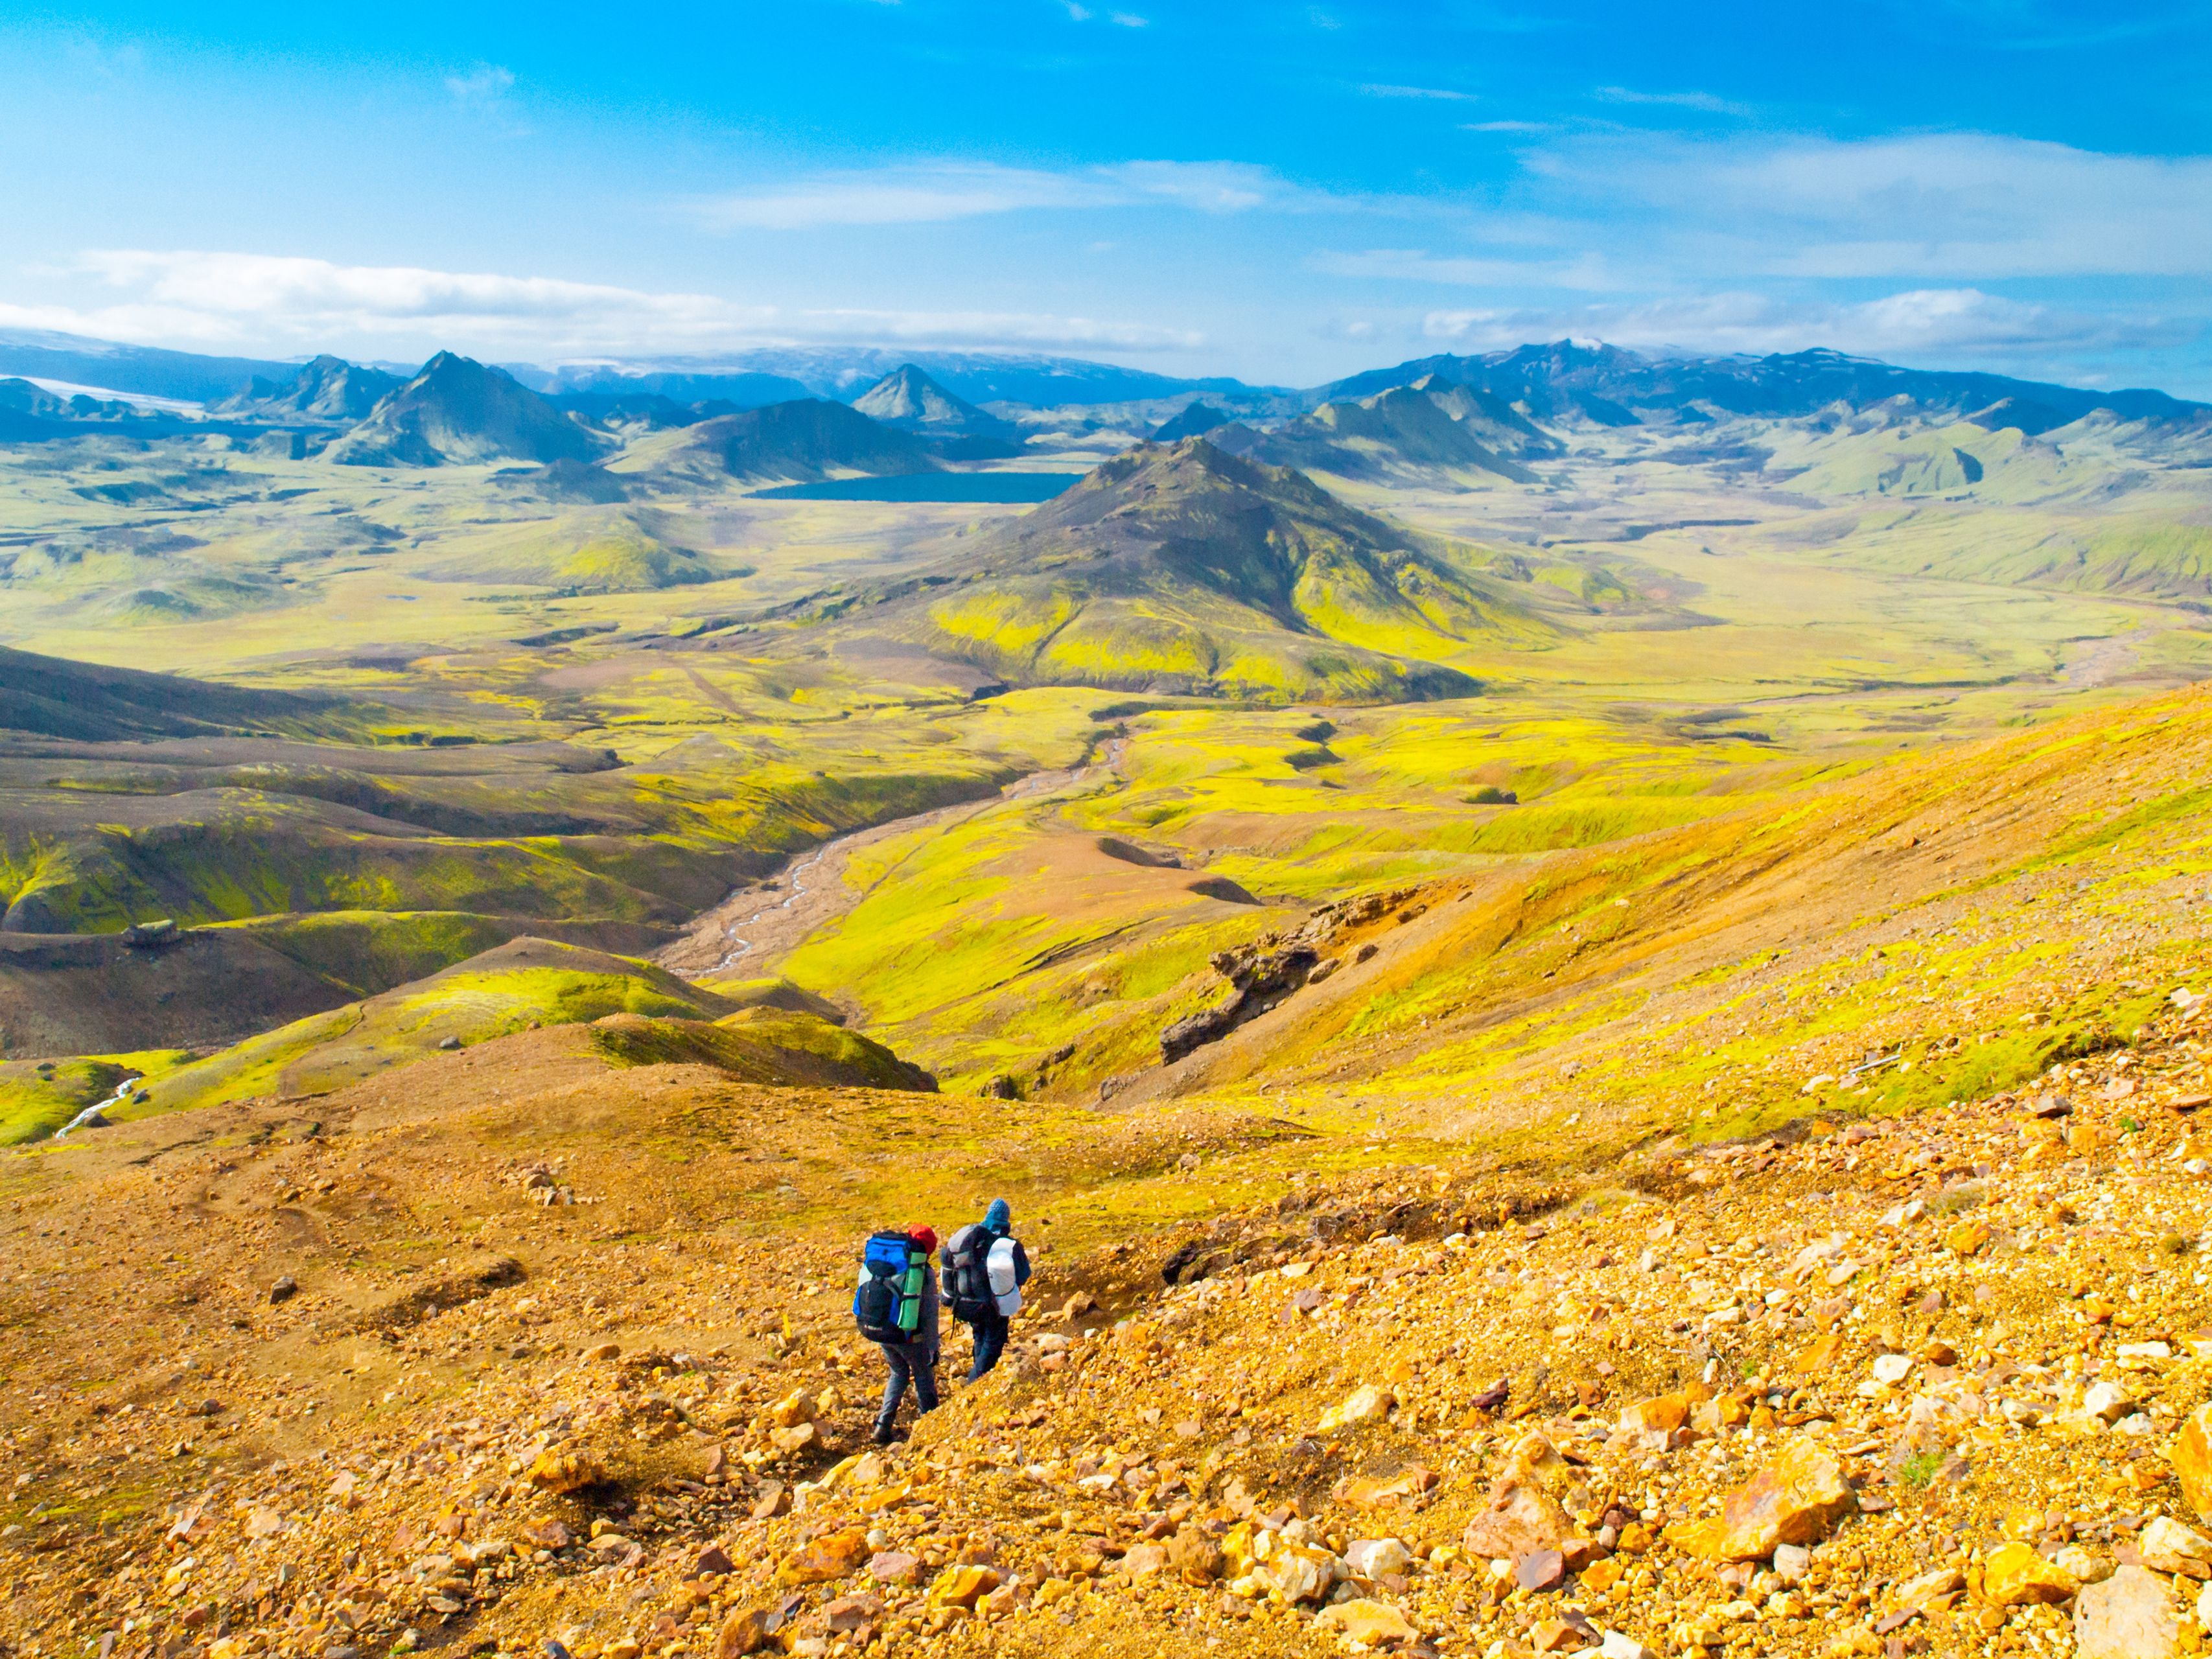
(757, 926)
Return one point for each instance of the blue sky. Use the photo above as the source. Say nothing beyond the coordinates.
(1281, 192)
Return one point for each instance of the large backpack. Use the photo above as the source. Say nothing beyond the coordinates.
(967, 1274)
(894, 1272)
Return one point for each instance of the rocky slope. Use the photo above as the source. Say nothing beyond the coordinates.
(451, 1369)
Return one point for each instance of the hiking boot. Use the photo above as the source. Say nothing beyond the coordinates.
(883, 1436)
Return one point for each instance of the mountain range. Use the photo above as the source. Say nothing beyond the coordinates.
(1844, 425)
(1607, 386)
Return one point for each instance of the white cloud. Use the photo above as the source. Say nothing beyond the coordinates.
(1385, 89)
(1705, 102)
(1947, 207)
(930, 193)
(265, 303)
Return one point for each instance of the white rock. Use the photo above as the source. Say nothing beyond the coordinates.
(1619, 1644)
(1892, 1368)
(2107, 1401)
(2167, 1545)
(1792, 1562)
(1370, 1558)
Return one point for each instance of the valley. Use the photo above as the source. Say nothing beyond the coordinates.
(1512, 924)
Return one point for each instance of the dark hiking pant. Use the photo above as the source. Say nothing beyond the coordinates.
(908, 1365)
(990, 1333)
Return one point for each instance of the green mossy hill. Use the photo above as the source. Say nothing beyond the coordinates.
(761, 1045)
(95, 837)
(1184, 568)
(56, 698)
(600, 549)
(802, 441)
(226, 855)
(521, 985)
(458, 412)
(1982, 913)
(2147, 554)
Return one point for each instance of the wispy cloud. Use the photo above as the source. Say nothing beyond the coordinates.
(923, 193)
(1706, 102)
(274, 304)
(1948, 207)
(1610, 210)
(1446, 94)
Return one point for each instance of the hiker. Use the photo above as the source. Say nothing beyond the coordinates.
(894, 1305)
(985, 1268)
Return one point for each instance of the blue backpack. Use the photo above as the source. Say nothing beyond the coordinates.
(887, 1305)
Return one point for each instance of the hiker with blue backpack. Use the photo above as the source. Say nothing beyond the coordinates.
(895, 1305)
(985, 1268)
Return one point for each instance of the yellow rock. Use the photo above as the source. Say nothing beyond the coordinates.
(1794, 1499)
(798, 1437)
(1363, 1405)
(1374, 1491)
(2191, 1458)
(2014, 1576)
(1661, 1414)
(563, 1472)
(794, 1408)
(1602, 1576)
(830, 1556)
(1368, 1622)
(742, 1633)
(961, 1586)
(1967, 1238)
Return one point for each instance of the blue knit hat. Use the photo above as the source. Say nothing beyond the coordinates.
(997, 1219)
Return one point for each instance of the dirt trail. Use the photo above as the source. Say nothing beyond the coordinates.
(756, 926)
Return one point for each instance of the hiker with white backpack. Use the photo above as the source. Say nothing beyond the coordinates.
(895, 1306)
(985, 1268)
